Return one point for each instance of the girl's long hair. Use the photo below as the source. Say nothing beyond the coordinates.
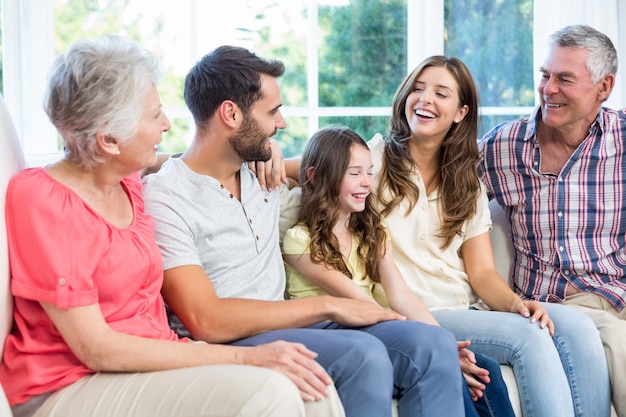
(327, 152)
(458, 181)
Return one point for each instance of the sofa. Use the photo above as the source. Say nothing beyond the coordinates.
(12, 160)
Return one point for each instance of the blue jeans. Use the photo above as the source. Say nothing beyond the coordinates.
(561, 376)
(413, 362)
(495, 400)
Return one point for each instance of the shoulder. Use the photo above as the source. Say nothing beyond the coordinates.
(510, 130)
(296, 239)
(377, 148)
(376, 143)
(37, 188)
(173, 179)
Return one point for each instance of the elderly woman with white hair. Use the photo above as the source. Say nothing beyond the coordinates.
(90, 334)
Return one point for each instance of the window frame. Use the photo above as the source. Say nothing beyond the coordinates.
(28, 30)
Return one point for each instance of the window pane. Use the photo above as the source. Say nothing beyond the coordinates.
(181, 32)
(362, 56)
(293, 138)
(366, 126)
(495, 40)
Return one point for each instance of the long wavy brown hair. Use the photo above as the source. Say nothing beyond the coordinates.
(458, 181)
(327, 153)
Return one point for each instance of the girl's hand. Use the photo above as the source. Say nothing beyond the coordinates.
(535, 311)
(471, 371)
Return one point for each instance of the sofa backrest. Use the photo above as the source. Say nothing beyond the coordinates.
(11, 161)
(501, 241)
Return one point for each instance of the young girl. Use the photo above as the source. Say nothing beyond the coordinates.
(340, 247)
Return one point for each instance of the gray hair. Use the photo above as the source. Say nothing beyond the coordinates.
(98, 86)
(602, 58)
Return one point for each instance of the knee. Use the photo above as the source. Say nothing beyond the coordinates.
(368, 356)
(440, 340)
(571, 321)
(433, 344)
(277, 396)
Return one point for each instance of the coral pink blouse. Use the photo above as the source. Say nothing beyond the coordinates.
(64, 253)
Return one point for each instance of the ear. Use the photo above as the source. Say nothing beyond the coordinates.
(309, 175)
(605, 86)
(230, 113)
(108, 144)
(461, 114)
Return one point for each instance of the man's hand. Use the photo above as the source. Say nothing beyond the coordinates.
(296, 362)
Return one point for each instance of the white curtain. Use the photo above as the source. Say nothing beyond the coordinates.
(604, 15)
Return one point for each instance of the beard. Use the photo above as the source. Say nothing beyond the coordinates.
(251, 143)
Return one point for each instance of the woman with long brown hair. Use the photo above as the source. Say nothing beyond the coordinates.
(436, 210)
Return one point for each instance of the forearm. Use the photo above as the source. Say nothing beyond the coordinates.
(494, 292)
(119, 352)
(411, 307)
(231, 319)
(292, 167)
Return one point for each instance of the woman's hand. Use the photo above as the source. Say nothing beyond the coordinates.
(535, 311)
(271, 173)
(296, 362)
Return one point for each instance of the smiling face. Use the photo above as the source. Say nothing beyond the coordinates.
(569, 100)
(252, 141)
(357, 181)
(140, 151)
(433, 105)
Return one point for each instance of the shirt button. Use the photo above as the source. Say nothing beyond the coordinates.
(561, 248)
(560, 214)
(62, 281)
(265, 199)
(257, 237)
(566, 272)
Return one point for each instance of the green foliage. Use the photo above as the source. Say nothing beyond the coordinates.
(78, 19)
(280, 41)
(494, 39)
(366, 126)
(362, 53)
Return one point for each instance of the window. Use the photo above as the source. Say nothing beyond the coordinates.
(344, 58)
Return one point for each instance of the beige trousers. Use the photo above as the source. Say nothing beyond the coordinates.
(211, 391)
(612, 327)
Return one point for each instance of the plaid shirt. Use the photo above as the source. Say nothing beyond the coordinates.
(569, 228)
